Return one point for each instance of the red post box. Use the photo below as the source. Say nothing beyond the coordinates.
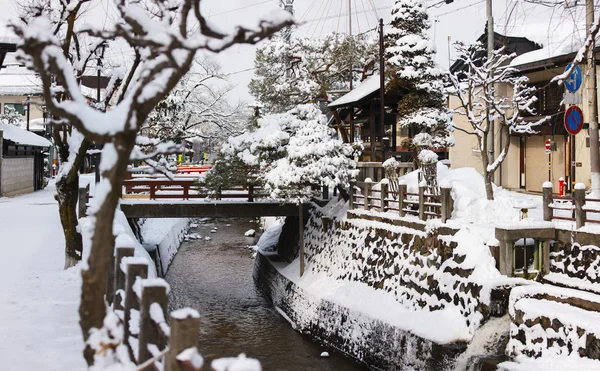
(561, 186)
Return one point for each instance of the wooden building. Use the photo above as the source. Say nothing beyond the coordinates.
(360, 112)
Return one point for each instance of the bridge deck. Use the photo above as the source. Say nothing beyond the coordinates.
(204, 209)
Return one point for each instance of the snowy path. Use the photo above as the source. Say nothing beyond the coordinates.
(39, 300)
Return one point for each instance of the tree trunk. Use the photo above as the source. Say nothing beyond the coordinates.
(489, 189)
(92, 309)
(67, 193)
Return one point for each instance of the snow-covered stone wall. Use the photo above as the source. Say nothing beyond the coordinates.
(391, 296)
(375, 342)
(552, 321)
(576, 261)
(422, 271)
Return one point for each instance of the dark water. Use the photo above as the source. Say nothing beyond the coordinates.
(215, 278)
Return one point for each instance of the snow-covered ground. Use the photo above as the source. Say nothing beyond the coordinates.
(39, 300)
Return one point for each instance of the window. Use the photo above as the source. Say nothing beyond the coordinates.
(14, 107)
(548, 97)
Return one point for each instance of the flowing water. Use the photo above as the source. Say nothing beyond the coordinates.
(215, 278)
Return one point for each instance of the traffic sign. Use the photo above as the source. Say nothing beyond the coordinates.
(548, 146)
(573, 120)
(573, 82)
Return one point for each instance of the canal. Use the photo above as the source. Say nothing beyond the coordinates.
(215, 277)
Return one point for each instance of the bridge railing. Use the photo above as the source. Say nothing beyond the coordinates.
(141, 304)
(185, 189)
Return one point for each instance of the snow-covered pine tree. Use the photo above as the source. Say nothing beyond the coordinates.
(412, 71)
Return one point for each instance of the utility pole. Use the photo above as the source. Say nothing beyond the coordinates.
(382, 89)
(592, 102)
(350, 17)
(490, 55)
(287, 5)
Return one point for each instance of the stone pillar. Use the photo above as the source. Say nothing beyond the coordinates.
(506, 258)
(579, 200)
(546, 257)
(547, 200)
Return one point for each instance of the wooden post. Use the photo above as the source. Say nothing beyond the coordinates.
(325, 192)
(383, 198)
(446, 203)
(185, 326)
(250, 192)
(367, 194)
(546, 201)
(422, 189)
(83, 199)
(149, 333)
(152, 191)
(219, 192)
(301, 237)
(119, 275)
(579, 199)
(402, 191)
(186, 191)
(351, 192)
(134, 270)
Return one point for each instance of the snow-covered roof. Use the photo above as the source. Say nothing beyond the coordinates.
(34, 125)
(367, 87)
(18, 80)
(23, 137)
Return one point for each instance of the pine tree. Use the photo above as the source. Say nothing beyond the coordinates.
(413, 73)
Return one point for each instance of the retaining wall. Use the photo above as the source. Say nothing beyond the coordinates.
(17, 176)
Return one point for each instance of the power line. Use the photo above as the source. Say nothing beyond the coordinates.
(457, 9)
(241, 8)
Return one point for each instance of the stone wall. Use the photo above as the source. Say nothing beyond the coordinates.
(17, 176)
(422, 271)
(376, 343)
(576, 261)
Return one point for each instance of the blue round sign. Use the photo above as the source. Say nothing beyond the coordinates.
(573, 120)
(573, 82)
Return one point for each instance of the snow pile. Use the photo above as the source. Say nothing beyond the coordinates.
(166, 235)
(269, 239)
(241, 363)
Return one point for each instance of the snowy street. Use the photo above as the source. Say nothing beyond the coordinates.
(38, 309)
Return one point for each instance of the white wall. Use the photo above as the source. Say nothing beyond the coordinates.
(17, 176)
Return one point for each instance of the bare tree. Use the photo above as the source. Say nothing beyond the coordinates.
(476, 88)
(165, 37)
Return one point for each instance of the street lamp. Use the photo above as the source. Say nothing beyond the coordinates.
(27, 101)
(100, 54)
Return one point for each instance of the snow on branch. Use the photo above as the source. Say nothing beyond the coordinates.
(585, 48)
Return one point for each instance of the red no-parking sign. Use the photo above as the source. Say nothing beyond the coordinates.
(573, 120)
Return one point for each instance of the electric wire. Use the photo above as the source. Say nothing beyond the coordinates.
(357, 17)
(240, 8)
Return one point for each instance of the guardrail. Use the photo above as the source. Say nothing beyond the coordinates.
(428, 203)
(375, 170)
(575, 206)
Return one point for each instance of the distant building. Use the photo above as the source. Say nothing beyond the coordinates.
(21, 160)
(528, 165)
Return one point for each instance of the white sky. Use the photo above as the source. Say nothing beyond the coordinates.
(462, 20)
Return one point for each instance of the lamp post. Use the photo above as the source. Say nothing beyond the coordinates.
(100, 56)
(28, 103)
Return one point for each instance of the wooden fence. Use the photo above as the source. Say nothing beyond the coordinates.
(426, 204)
(141, 304)
(574, 206)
